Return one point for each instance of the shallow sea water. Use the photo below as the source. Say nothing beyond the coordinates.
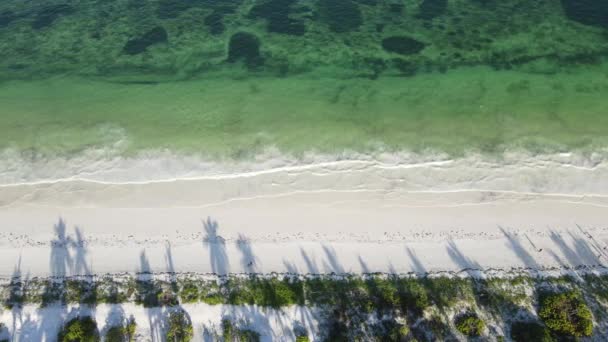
(231, 78)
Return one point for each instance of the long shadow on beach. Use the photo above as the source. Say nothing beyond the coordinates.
(579, 255)
(61, 261)
(364, 267)
(416, 264)
(170, 303)
(17, 295)
(466, 264)
(248, 260)
(61, 264)
(520, 250)
(217, 247)
(171, 268)
(147, 294)
(311, 263)
(332, 263)
(117, 318)
(81, 266)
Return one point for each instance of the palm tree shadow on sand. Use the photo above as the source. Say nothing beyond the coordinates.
(217, 247)
(81, 266)
(248, 259)
(61, 261)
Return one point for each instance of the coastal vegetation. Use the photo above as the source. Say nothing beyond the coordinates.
(79, 329)
(520, 307)
(122, 333)
(180, 327)
(566, 314)
(469, 324)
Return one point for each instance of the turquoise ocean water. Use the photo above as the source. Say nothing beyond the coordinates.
(229, 78)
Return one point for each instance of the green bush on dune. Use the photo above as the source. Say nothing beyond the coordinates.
(469, 324)
(79, 329)
(122, 333)
(232, 333)
(189, 293)
(267, 292)
(180, 327)
(445, 291)
(566, 314)
(413, 295)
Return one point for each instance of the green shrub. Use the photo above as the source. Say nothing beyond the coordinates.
(122, 333)
(469, 324)
(180, 327)
(53, 292)
(167, 298)
(530, 331)
(147, 293)
(413, 295)
(566, 314)
(383, 293)
(115, 334)
(189, 293)
(213, 299)
(79, 329)
(79, 291)
(112, 292)
(302, 339)
(398, 332)
(130, 329)
(445, 291)
(265, 292)
(277, 293)
(230, 333)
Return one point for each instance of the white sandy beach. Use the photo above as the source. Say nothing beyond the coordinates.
(386, 214)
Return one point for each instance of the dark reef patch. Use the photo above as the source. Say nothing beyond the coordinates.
(277, 13)
(402, 45)
(142, 43)
(430, 9)
(214, 23)
(341, 15)
(6, 18)
(245, 47)
(588, 12)
(47, 15)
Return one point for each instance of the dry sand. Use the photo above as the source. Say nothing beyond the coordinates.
(387, 214)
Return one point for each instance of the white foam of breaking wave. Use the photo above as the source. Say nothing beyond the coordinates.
(154, 166)
(109, 167)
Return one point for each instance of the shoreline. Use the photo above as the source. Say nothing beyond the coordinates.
(109, 167)
(452, 214)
